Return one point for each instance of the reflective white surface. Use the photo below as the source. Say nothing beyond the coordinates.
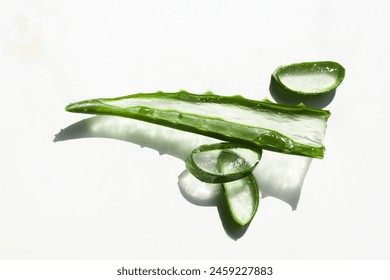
(94, 197)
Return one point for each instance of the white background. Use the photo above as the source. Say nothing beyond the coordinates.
(107, 199)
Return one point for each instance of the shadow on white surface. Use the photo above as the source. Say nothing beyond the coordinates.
(204, 194)
(283, 180)
(197, 192)
(162, 139)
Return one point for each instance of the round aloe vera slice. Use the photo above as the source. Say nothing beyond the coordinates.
(242, 195)
(203, 162)
(308, 78)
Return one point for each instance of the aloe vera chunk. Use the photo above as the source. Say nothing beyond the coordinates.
(308, 78)
(242, 195)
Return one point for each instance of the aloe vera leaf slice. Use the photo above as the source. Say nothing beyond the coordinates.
(308, 78)
(243, 198)
(242, 195)
(298, 130)
(203, 162)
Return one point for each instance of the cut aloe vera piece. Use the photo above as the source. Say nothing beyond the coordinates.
(242, 195)
(297, 130)
(308, 78)
(243, 198)
(203, 162)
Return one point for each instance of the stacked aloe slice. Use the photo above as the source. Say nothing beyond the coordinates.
(231, 165)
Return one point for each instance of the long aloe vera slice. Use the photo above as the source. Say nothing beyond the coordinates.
(308, 78)
(298, 130)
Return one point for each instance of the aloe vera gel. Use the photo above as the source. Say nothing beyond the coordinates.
(309, 78)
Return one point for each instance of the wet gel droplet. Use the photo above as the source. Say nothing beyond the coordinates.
(144, 111)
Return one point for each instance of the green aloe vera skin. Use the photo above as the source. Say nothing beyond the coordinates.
(297, 130)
